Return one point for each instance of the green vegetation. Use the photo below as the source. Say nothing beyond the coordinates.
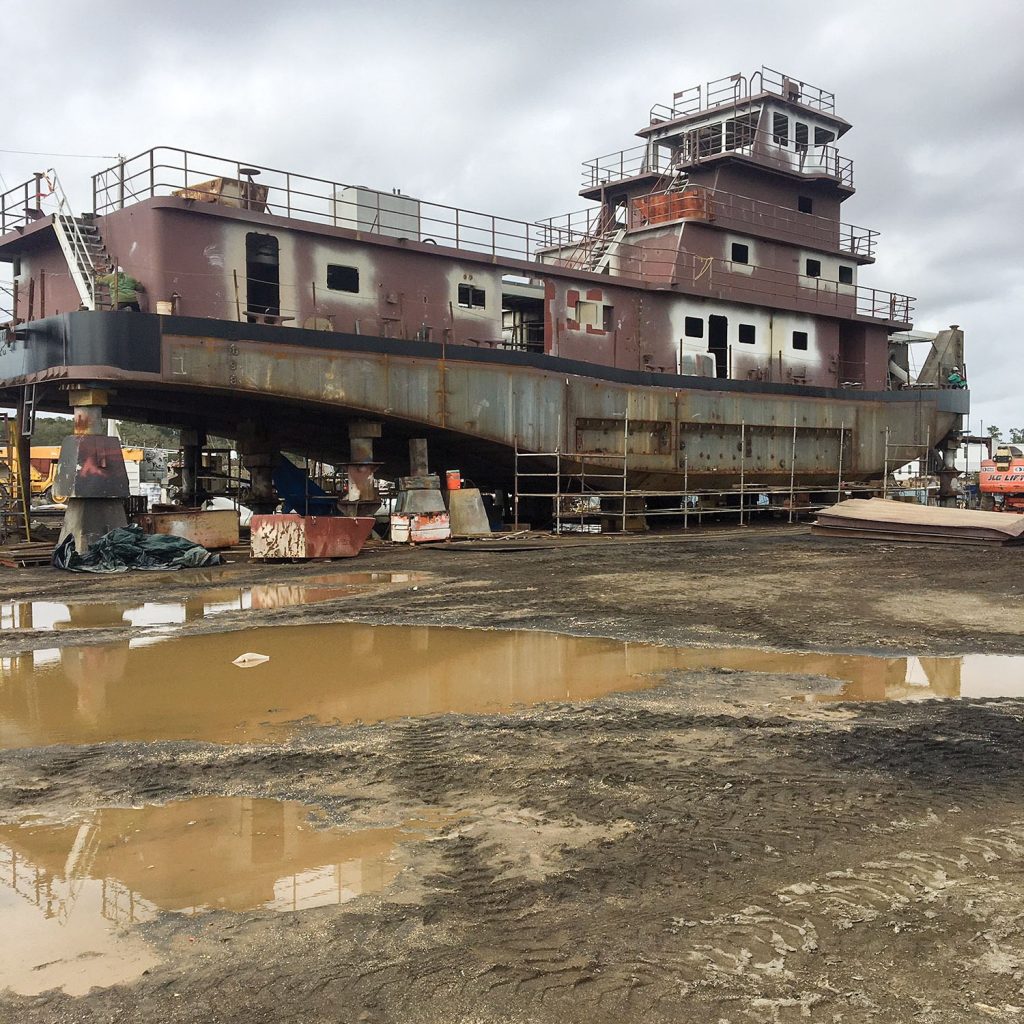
(53, 430)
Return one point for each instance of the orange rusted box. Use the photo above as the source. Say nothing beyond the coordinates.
(293, 536)
(213, 528)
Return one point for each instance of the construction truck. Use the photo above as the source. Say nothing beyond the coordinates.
(1001, 480)
(44, 461)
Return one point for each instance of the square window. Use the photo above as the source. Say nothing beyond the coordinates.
(747, 334)
(694, 327)
(805, 204)
(846, 275)
(588, 314)
(342, 279)
(800, 340)
(740, 253)
(813, 268)
(780, 129)
(470, 297)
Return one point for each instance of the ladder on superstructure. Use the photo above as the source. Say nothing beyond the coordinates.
(83, 248)
(14, 491)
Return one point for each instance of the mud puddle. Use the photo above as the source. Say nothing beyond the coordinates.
(72, 892)
(188, 688)
(48, 615)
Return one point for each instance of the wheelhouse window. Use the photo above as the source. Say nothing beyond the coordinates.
(846, 275)
(822, 136)
(800, 341)
(740, 253)
(709, 139)
(813, 268)
(471, 298)
(800, 137)
(805, 204)
(747, 334)
(739, 131)
(342, 279)
(780, 129)
(693, 327)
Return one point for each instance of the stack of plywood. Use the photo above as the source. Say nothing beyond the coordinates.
(879, 519)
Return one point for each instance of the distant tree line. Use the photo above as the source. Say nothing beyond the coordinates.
(51, 430)
(1015, 435)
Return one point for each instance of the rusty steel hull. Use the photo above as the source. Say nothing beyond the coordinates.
(474, 405)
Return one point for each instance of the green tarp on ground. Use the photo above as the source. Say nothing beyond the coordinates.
(130, 548)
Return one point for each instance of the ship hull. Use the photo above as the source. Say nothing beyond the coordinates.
(476, 405)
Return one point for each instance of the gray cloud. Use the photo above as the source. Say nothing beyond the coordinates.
(493, 105)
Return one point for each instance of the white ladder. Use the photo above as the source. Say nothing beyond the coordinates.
(81, 244)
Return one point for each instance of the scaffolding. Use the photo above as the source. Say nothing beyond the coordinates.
(583, 484)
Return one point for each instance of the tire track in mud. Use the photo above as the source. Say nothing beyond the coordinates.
(633, 858)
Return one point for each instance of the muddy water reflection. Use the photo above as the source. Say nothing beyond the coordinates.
(188, 688)
(70, 891)
(205, 602)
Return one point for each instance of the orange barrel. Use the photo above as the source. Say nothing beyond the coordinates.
(454, 478)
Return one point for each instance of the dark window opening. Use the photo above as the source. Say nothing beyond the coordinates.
(262, 276)
(800, 137)
(522, 323)
(608, 319)
(739, 131)
(740, 253)
(342, 279)
(822, 136)
(800, 340)
(805, 204)
(747, 334)
(718, 343)
(846, 275)
(709, 139)
(813, 268)
(470, 297)
(780, 129)
(694, 327)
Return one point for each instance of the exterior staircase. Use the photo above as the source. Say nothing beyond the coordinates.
(83, 248)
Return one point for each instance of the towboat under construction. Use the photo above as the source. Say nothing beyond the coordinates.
(698, 327)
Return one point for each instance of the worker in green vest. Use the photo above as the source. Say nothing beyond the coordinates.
(124, 289)
(956, 378)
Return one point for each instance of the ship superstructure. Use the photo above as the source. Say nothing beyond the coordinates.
(702, 318)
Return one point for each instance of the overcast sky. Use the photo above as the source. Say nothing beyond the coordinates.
(493, 106)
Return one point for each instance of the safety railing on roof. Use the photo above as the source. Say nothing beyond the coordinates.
(736, 136)
(627, 163)
(760, 285)
(738, 88)
(729, 210)
(199, 177)
(22, 204)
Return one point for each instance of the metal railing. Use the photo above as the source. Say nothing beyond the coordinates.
(167, 171)
(22, 204)
(627, 163)
(730, 210)
(737, 89)
(710, 142)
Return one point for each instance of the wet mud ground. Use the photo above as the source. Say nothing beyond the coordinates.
(711, 849)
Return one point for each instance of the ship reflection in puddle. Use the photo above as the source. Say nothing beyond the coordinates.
(70, 892)
(157, 687)
(201, 604)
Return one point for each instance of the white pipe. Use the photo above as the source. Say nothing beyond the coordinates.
(898, 372)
